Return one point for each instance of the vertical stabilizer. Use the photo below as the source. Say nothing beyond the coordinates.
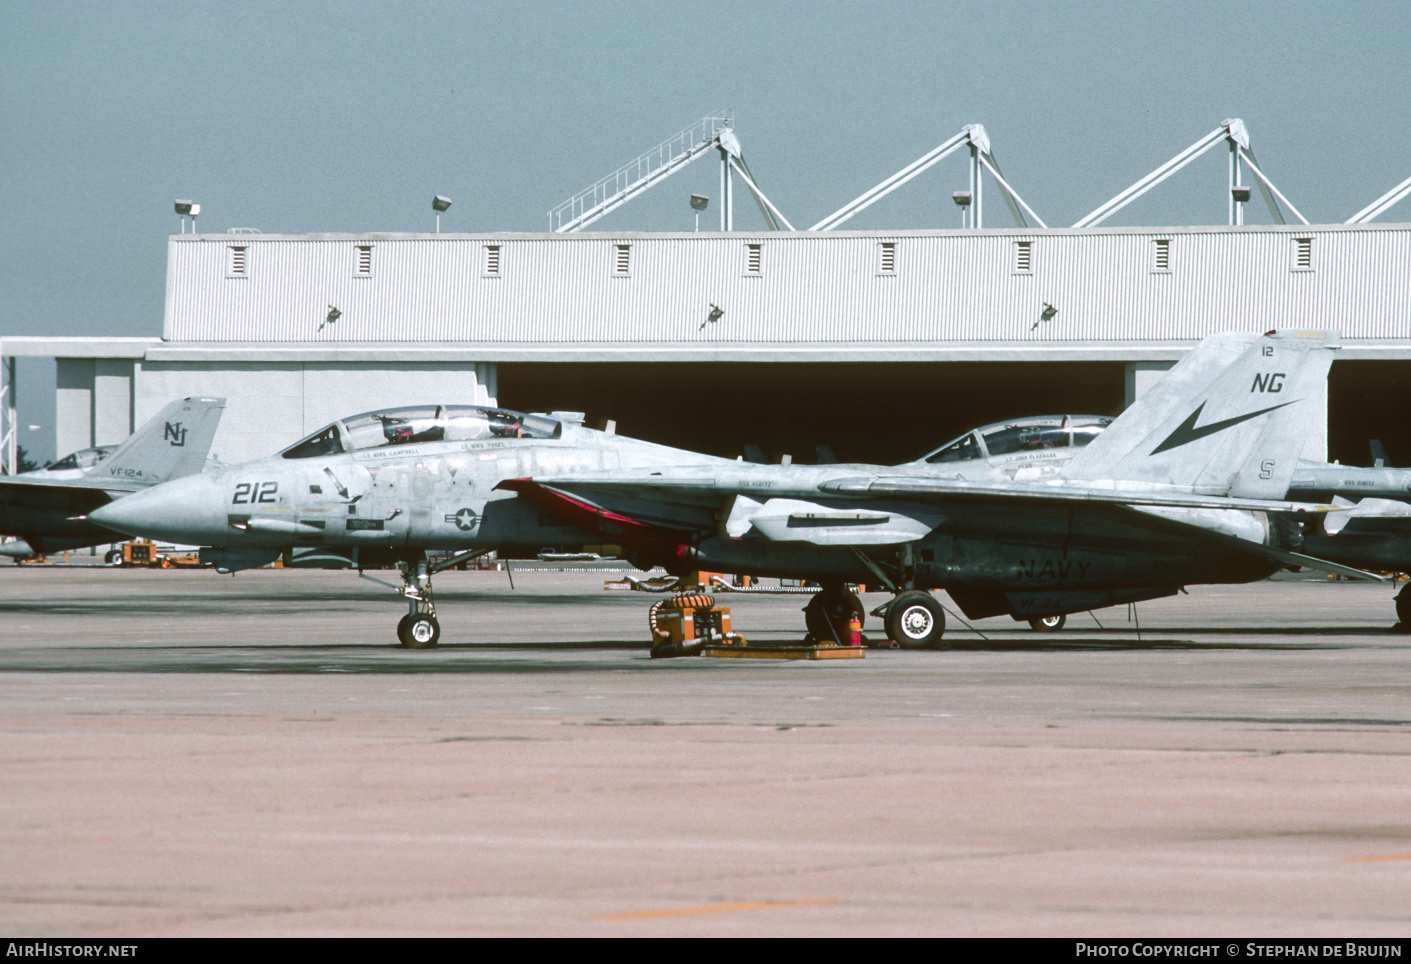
(1230, 419)
(174, 443)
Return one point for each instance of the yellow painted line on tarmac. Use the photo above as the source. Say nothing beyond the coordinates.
(717, 908)
(1379, 858)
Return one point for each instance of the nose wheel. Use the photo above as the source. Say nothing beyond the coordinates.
(418, 630)
(1047, 624)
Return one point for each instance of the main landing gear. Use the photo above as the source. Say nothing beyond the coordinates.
(913, 619)
(829, 614)
(1403, 609)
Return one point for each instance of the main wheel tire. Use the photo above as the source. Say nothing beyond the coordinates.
(827, 609)
(113, 557)
(915, 620)
(421, 632)
(1403, 610)
(1047, 624)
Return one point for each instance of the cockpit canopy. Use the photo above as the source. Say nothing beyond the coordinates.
(422, 423)
(1021, 435)
(82, 459)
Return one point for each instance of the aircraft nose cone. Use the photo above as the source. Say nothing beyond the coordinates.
(189, 511)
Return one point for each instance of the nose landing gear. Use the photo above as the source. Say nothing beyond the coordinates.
(418, 629)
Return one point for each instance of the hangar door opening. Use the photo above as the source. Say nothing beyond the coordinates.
(1368, 400)
(877, 412)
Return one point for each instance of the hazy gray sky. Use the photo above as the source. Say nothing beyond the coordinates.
(324, 116)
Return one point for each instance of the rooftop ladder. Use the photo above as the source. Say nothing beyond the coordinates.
(633, 178)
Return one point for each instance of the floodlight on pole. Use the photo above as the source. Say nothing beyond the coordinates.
(699, 202)
(1239, 196)
(439, 203)
(962, 200)
(187, 209)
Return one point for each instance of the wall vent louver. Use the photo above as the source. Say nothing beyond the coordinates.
(1023, 257)
(1161, 255)
(1303, 254)
(889, 257)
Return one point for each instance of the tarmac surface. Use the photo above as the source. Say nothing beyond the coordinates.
(189, 754)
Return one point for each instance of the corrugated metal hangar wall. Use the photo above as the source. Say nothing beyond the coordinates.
(795, 289)
(880, 345)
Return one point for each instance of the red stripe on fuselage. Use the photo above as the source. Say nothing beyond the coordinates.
(604, 522)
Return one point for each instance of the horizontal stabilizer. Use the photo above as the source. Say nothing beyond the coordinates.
(1286, 557)
(1371, 515)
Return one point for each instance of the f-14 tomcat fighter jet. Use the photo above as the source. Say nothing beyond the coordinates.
(43, 507)
(1176, 491)
(388, 488)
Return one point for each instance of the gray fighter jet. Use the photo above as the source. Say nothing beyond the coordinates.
(1178, 490)
(391, 488)
(44, 508)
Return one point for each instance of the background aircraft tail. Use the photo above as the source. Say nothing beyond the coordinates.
(174, 443)
(1230, 419)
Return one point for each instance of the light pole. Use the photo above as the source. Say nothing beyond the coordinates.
(439, 204)
(699, 202)
(1240, 195)
(962, 201)
(187, 209)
